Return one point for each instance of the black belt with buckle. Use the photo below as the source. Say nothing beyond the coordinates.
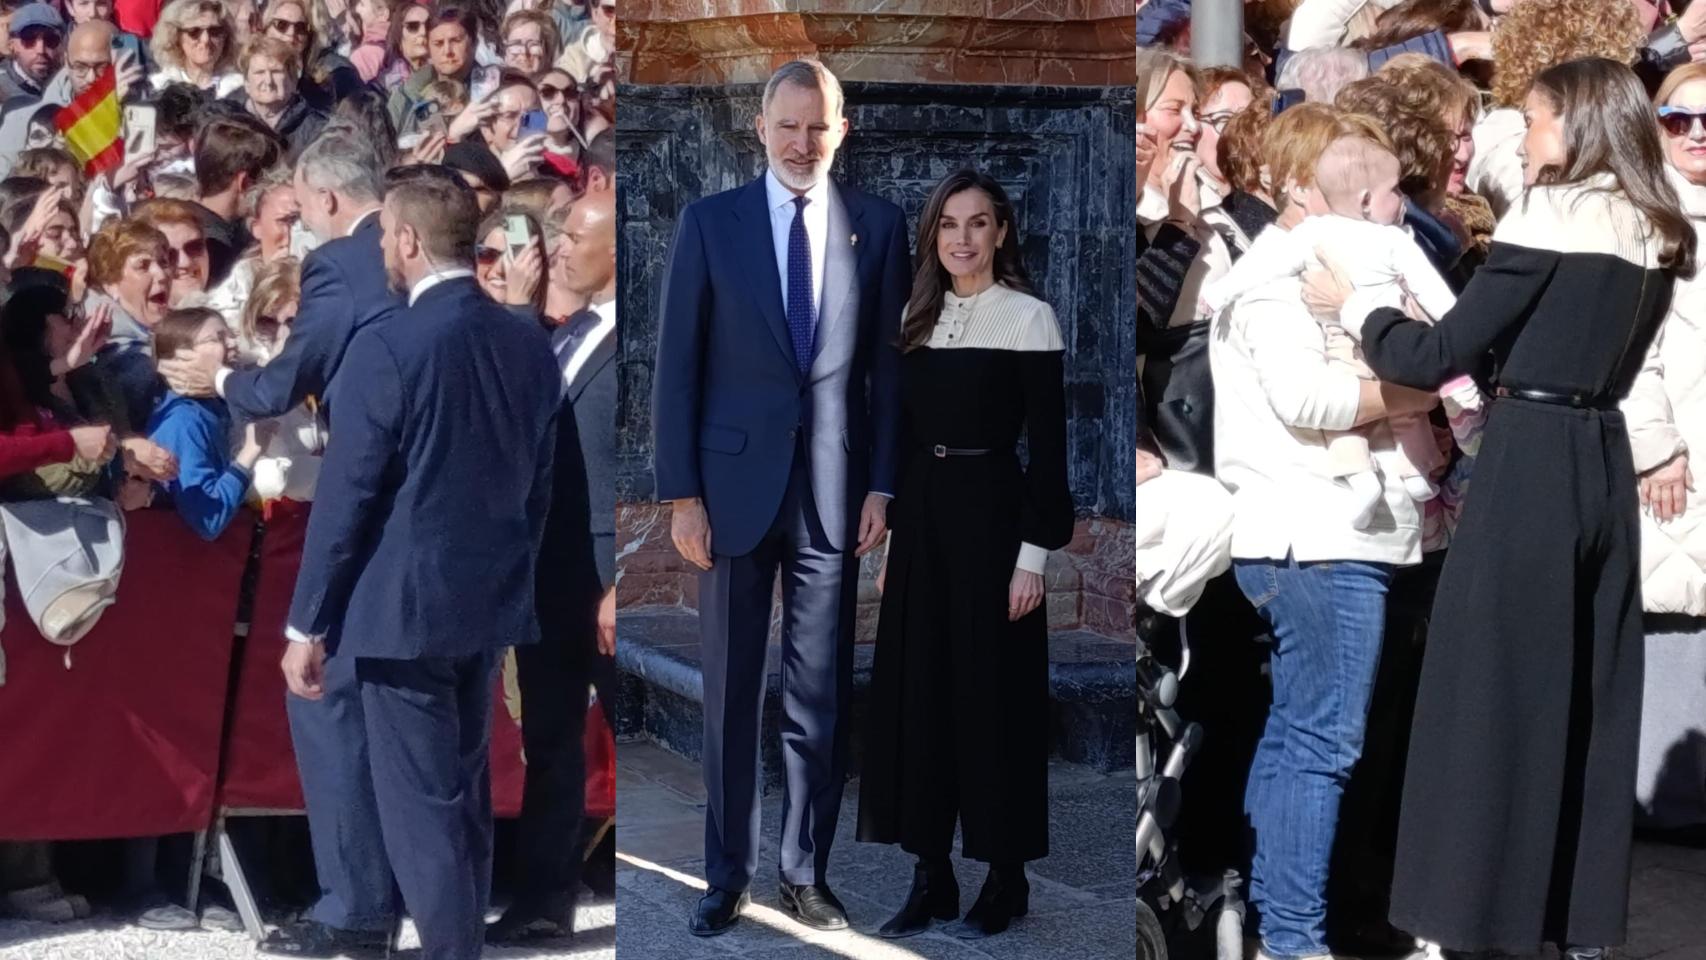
(942, 453)
(1578, 400)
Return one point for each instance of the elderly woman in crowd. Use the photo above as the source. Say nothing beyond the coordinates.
(529, 42)
(194, 44)
(324, 77)
(1667, 422)
(271, 72)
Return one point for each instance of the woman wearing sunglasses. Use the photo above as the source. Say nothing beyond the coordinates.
(192, 44)
(406, 44)
(327, 78)
(510, 280)
(1667, 420)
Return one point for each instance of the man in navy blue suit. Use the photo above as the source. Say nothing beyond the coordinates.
(776, 412)
(344, 290)
(420, 557)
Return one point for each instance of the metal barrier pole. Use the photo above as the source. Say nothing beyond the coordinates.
(1217, 33)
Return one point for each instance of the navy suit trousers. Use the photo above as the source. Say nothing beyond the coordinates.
(818, 590)
(330, 736)
(429, 745)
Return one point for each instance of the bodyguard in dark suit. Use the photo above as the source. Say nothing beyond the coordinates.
(344, 290)
(776, 410)
(420, 557)
(576, 589)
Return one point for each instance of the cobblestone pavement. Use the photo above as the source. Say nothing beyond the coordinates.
(109, 939)
(1081, 896)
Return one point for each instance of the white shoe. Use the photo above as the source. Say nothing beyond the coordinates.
(1262, 954)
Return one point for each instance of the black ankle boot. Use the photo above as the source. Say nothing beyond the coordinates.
(1006, 895)
(935, 895)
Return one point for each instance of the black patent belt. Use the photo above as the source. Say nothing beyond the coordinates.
(1579, 400)
(942, 453)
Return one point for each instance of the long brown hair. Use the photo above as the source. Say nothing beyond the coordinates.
(1414, 18)
(930, 279)
(1609, 128)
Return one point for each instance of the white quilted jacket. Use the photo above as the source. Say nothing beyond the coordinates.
(1666, 410)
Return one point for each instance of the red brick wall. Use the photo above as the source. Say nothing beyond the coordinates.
(1091, 584)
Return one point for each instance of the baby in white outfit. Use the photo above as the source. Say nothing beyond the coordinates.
(1359, 181)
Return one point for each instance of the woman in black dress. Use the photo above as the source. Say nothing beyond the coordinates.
(958, 726)
(1516, 821)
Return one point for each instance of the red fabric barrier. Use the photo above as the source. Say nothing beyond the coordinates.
(260, 766)
(126, 743)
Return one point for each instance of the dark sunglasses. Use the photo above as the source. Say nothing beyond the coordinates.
(486, 256)
(549, 91)
(1678, 122)
(295, 27)
(215, 32)
(191, 251)
(42, 35)
(414, 26)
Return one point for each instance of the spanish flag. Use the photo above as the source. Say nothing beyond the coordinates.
(91, 125)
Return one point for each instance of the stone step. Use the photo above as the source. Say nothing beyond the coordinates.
(1092, 688)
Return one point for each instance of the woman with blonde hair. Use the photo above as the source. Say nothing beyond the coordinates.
(1666, 409)
(303, 25)
(194, 43)
(289, 464)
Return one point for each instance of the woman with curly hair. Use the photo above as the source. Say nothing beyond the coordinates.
(194, 43)
(1534, 36)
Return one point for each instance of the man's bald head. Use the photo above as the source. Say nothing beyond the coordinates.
(586, 253)
(89, 53)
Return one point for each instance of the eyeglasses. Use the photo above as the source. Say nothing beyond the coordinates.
(83, 69)
(549, 92)
(1678, 122)
(515, 47)
(215, 32)
(486, 256)
(39, 35)
(294, 27)
(1218, 119)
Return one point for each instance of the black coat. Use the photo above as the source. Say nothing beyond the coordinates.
(1518, 805)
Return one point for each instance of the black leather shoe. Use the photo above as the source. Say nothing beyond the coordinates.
(814, 906)
(717, 911)
(1584, 953)
(935, 895)
(1006, 895)
(534, 921)
(311, 938)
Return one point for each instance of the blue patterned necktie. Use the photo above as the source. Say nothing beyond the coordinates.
(800, 320)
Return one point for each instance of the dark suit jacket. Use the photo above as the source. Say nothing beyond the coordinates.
(343, 290)
(729, 399)
(577, 561)
(431, 501)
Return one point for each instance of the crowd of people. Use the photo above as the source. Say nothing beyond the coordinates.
(204, 206)
(1420, 360)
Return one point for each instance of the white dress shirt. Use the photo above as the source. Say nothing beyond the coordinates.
(817, 231)
(605, 327)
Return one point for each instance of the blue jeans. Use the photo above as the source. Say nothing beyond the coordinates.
(1327, 621)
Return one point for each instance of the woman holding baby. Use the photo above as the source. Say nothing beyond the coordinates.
(1516, 820)
(1317, 577)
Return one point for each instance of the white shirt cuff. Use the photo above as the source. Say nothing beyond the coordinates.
(1032, 558)
(297, 636)
(219, 381)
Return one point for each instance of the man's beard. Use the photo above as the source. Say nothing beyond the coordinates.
(793, 180)
(395, 281)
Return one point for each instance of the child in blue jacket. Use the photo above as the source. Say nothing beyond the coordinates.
(211, 483)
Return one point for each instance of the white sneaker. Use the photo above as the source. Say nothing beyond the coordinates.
(1264, 955)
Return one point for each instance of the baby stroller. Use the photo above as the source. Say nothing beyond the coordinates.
(1178, 918)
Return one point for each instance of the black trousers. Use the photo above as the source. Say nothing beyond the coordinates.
(554, 676)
